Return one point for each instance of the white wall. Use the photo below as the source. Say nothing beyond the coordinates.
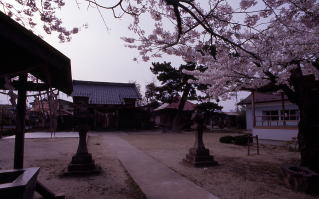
(249, 119)
(271, 133)
(259, 108)
(275, 134)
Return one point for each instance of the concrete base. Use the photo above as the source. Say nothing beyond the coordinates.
(19, 183)
(82, 164)
(300, 179)
(200, 158)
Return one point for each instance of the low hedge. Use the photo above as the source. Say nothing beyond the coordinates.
(227, 139)
(242, 140)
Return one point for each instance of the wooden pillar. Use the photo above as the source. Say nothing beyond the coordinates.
(253, 108)
(283, 108)
(20, 123)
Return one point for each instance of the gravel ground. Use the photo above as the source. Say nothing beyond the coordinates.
(53, 156)
(238, 175)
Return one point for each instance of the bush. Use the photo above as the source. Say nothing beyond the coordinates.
(242, 140)
(226, 139)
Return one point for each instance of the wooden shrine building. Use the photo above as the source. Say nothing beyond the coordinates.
(112, 105)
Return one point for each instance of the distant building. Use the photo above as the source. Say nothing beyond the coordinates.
(112, 105)
(226, 119)
(165, 114)
(63, 107)
(40, 114)
(7, 117)
(271, 116)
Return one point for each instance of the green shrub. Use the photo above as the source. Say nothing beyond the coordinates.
(226, 139)
(242, 140)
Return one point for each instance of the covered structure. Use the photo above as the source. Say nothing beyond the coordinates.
(24, 53)
(112, 105)
(39, 114)
(165, 114)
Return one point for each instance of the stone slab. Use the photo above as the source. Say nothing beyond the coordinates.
(155, 179)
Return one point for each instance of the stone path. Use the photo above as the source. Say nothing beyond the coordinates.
(155, 179)
(47, 135)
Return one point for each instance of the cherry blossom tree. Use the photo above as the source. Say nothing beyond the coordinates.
(269, 44)
(34, 13)
(256, 44)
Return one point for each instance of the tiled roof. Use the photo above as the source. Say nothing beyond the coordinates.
(189, 106)
(105, 92)
(262, 98)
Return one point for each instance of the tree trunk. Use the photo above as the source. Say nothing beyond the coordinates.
(177, 119)
(308, 136)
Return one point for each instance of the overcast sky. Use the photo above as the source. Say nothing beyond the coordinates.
(98, 54)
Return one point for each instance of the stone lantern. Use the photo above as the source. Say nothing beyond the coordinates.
(82, 162)
(198, 155)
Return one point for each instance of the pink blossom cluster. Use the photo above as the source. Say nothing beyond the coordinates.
(244, 46)
(26, 12)
(259, 43)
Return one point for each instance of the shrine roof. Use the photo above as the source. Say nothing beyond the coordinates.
(109, 93)
(24, 52)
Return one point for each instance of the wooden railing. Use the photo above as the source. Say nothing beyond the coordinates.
(276, 120)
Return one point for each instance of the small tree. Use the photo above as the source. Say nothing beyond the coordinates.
(209, 109)
(174, 82)
(150, 93)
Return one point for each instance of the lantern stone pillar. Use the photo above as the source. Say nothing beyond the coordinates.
(82, 162)
(198, 155)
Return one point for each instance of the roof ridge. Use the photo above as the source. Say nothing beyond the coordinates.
(103, 83)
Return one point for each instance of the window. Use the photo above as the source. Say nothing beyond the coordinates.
(292, 114)
(270, 115)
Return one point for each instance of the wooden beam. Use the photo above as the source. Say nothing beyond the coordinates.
(29, 86)
(20, 124)
(283, 107)
(253, 108)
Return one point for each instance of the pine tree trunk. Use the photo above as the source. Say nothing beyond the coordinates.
(177, 126)
(308, 136)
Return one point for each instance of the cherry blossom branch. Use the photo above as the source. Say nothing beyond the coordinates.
(208, 29)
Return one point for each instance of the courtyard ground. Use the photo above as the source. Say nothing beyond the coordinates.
(53, 156)
(237, 176)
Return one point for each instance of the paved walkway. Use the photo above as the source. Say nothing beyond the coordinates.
(155, 179)
(47, 135)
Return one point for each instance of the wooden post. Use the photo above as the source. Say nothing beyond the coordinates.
(20, 123)
(1, 123)
(257, 140)
(283, 108)
(253, 108)
(248, 145)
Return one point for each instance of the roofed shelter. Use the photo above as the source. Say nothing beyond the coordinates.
(24, 53)
(166, 113)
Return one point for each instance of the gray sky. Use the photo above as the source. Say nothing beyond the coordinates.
(98, 54)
